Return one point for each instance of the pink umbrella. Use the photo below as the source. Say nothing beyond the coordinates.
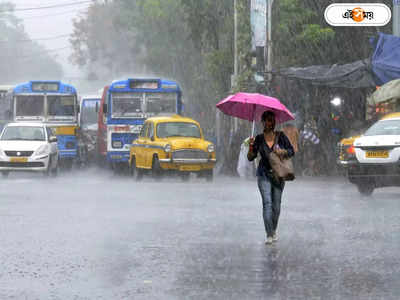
(250, 106)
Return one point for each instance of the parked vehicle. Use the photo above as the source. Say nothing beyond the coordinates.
(28, 147)
(372, 160)
(172, 144)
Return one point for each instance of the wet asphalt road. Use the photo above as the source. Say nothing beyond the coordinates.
(90, 235)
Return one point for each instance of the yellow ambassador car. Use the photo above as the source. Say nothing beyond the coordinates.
(172, 143)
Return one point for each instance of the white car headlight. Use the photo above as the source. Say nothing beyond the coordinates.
(211, 148)
(167, 148)
(42, 150)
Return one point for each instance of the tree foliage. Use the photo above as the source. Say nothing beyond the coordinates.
(21, 58)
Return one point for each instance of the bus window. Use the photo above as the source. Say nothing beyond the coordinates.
(61, 105)
(161, 103)
(29, 105)
(126, 104)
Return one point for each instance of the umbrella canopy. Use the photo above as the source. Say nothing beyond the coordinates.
(250, 106)
(388, 91)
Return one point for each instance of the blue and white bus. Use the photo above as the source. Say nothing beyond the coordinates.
(125, 105)
(53, 103)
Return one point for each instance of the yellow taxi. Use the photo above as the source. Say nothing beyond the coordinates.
(172, 143)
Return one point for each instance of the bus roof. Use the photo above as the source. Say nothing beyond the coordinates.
(144, 85)
(44, 86)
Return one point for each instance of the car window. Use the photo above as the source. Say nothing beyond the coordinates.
(181, 129)
(150, 131)
(49, 132)
(386, 127)
(23, 133)
(144, 130)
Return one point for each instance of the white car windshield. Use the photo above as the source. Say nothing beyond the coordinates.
(386, 127)
(23, 133)
(169, 129)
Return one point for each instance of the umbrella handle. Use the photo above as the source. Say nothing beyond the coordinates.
(253, 127)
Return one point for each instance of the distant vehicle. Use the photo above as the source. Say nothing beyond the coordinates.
(174, 144)
(28, 147)
(372, 160)
(125, 105)
(53, 103)
(88, 125)
(5, 106)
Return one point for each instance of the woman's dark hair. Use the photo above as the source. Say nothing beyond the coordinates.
(266, 114)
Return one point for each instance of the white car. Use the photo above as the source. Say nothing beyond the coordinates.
(377, 156)
(28, 147)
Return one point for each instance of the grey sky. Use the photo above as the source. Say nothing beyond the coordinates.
(51, 23)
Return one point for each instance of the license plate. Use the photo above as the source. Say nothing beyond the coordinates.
(189, 168)
(18, 159)
(377, 154)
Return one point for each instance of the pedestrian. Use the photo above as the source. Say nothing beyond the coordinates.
(270, 188)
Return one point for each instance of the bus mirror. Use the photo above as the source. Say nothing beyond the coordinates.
(97, 107)
(78, 108)
(152, 138)
(104, 108)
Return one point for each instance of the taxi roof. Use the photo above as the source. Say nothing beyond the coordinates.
(171, 118)
(395, 115)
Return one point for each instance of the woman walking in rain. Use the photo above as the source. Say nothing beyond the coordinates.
(270, 188)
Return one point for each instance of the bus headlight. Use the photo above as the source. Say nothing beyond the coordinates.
(211, 148)
(167, 148)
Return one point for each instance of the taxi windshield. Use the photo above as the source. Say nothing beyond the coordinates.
(386, 127)
(181, 129)
(23, 133)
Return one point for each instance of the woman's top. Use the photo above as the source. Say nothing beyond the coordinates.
(264, 167)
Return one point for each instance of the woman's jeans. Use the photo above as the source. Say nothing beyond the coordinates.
(271, 199)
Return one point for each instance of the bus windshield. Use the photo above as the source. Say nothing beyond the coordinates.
(126, 104)
(23, 133)
(88, 112)
(161, 103)
(30, 105)
(61, 105)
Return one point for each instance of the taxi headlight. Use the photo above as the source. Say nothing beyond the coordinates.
(167, 148)
(42, 150)
(211, 148)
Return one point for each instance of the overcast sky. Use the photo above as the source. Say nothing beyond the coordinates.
(53, 24)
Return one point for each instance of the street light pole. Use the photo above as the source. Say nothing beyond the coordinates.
(268, 66)
(396, 18)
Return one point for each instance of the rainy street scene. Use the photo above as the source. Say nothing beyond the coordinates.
(181, 149)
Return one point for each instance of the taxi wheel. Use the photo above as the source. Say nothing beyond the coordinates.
(156, 168)
(5, 174)
(132, 167)
(365, 189)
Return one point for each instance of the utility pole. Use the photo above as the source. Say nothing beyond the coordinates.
(235, 64)
(396, 18)
(268, 66)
